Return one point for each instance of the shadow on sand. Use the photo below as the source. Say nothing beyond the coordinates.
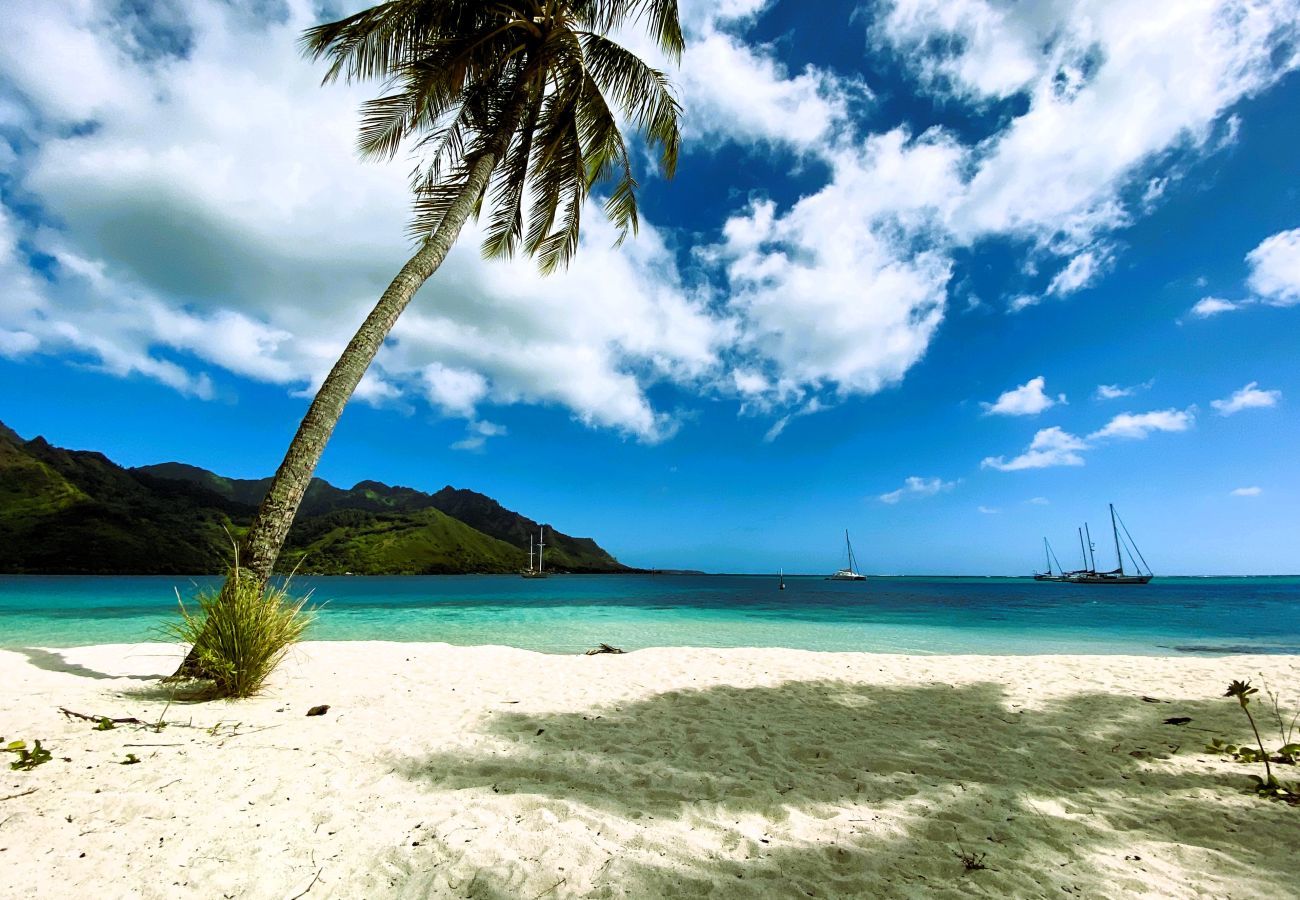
(832, 789)
(56, 662)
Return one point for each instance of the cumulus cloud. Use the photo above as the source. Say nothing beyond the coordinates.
(1137, 426)
(1213, 306)
(1026, 400)
(1050, 447)
(1058, 174)
(801, 109)
(834, 291)
(918, 487)
(1275, 268)
(211, 203)
(205, 213)
(1249, 397)
(1247, 491)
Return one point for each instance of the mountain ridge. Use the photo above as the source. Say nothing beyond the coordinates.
(76, 511)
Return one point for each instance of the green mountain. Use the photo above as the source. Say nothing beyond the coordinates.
(73, 511)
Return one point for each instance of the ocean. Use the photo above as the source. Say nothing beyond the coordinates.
(570, 613)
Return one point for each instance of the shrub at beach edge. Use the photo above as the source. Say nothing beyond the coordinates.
(241, 631)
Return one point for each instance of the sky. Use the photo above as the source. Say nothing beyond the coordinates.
(952, 275)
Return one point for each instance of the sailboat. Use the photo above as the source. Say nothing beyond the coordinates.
(538, 572)
(1057, 574)
(1090, 575)
(849, 573)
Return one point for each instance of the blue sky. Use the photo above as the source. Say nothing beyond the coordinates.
(952, 275)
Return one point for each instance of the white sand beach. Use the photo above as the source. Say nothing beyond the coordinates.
(444, 771)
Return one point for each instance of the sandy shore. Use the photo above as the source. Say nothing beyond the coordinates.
(446, 771)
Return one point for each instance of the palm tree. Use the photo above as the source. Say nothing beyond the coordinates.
(513, 108)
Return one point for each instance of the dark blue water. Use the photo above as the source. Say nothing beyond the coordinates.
(568, 613)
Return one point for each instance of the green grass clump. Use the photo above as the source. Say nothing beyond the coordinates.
(241, 632)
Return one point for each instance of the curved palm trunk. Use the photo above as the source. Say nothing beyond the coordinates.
(266, 535)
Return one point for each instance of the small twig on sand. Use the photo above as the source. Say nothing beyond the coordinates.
(310, 886)
(167, 785)
(16, 796)
(549, 889)
(128, 720)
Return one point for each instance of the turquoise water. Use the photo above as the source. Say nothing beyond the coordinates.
(564, 614)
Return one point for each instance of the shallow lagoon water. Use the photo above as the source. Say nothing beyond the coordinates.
(569, 613)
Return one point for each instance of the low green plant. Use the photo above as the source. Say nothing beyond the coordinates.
(104, 724)
(1268, 786)
(27, 759)
(241, 632)
(131, 759)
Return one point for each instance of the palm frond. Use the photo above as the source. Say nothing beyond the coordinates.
(643, 93)
(506, 226)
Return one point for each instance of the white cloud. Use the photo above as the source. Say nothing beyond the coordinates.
(989, 511)
(14, 344)
(1038, 501)
(834, 291)
(1212, 306)
(1050, 447)
(458, 391)
(477, 433)
(208, 214)
(1023, 301)
(1249, 397)
(775, 431)
(216, 207)
(1275, 268)
(918, 487)
(1115, 391)
(802, 110)
(1111, 84)
(1026, 400)
(1083, 270)
(1247, 492)
(1137, 426)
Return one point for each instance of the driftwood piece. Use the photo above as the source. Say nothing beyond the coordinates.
(127, 720)
(603, 648)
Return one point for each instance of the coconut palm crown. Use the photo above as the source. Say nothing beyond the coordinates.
(461, 75)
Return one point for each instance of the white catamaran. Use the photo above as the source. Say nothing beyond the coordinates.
(849, 572)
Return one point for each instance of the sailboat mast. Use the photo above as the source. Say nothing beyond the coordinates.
(1083, 550)
(1091, 555)
(1047, 553)
(1119, 556)
(541, 542)
(530, 552)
